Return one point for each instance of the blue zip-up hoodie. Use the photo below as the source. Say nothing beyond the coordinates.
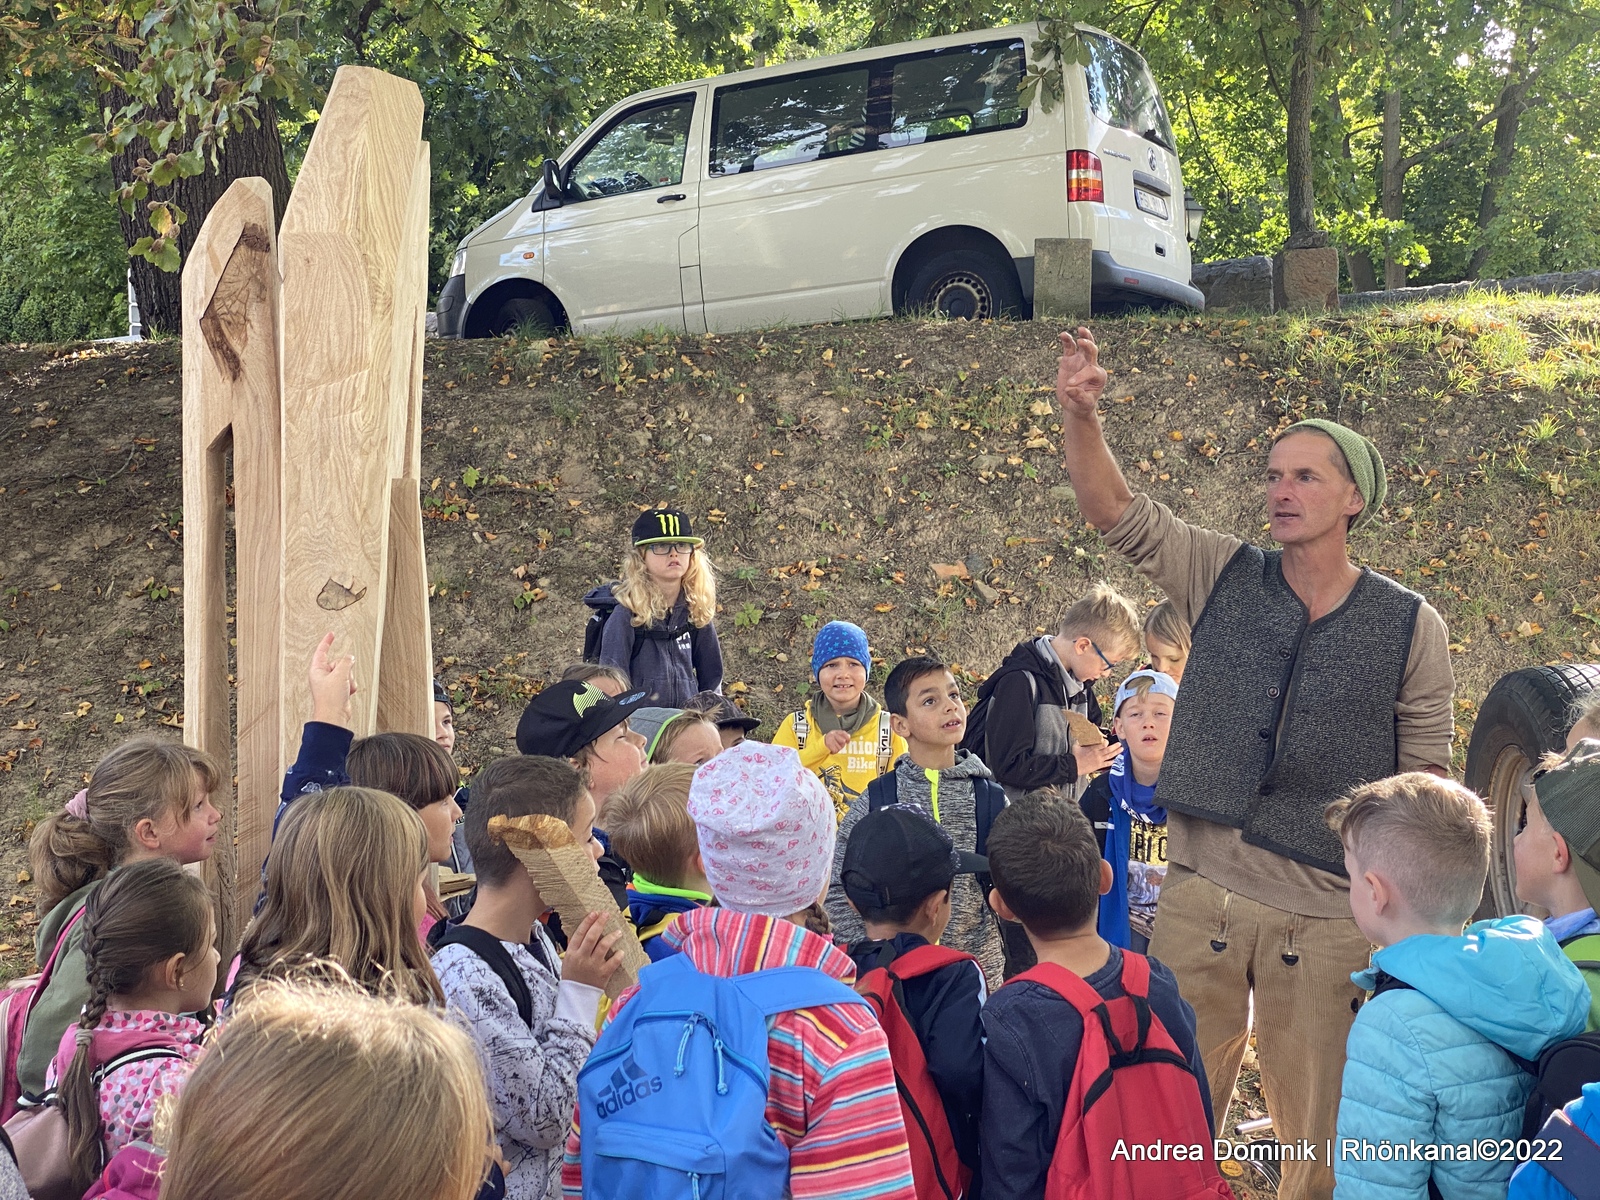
(1428, 1063)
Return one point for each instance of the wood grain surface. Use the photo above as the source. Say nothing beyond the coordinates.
(231, 409)
(347, 378)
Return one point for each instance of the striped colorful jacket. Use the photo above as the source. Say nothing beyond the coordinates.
(832, 1098)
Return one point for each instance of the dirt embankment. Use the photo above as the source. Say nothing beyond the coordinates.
(904, 475)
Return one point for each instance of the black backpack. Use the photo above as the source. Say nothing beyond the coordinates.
(988, 798)
(489, 948)
(602, 602)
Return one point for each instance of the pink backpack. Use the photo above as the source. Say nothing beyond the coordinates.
(15, 1008)
(39, 1133)
(134, 1173)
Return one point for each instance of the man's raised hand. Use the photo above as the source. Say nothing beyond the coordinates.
(1080, 379)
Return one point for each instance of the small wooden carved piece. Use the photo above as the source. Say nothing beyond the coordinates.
(564, 872)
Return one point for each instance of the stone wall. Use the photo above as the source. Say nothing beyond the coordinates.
(1555, 284)
(1231, 284)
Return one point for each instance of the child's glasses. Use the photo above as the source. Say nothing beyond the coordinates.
(1102, 655)
(667, 549)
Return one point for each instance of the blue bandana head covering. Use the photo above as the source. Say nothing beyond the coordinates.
(840, 639)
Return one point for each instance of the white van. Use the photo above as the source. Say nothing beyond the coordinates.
(901, 178)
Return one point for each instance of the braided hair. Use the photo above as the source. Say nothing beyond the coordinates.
(141, 917)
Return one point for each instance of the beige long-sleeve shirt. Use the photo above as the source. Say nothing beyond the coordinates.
(1185, 562)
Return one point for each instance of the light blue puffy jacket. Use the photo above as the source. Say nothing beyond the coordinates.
(1426, 1063)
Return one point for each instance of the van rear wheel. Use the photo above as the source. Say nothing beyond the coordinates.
(1525, 715)
(965, 285)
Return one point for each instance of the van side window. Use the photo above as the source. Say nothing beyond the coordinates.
(643, 150)
(792, 119)
(903, 100)
(968, 89)
(1121, 92)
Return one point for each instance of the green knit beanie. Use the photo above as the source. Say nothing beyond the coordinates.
(1569, 795)
(1366, 464)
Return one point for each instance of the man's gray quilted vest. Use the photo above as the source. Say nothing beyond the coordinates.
(1276, 717)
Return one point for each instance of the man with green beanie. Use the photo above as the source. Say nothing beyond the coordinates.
(1308, 676)
(1557, 856)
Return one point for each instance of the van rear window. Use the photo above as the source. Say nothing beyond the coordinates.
(900, 101)
(1121, 91)
(970, 89)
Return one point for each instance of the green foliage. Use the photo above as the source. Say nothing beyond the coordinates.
(62, 266)
(508, 83)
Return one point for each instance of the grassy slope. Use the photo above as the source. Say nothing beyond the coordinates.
(835, 464)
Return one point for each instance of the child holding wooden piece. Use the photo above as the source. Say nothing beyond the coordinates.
(531, 1012)
(661, 629)
(580, 723)
(147, 798)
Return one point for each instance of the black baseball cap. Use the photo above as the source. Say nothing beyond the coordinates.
(663, 525)
(896, 855)
(567, 716)
(723, 712)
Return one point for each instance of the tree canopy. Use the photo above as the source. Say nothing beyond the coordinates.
(1428, 139)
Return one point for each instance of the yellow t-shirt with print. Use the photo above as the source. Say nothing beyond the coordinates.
(871, 751)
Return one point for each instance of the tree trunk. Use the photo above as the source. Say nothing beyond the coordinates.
(1302, 206)
(253, 150)
(1513, 98)
(1362, 277)
(1393, 179)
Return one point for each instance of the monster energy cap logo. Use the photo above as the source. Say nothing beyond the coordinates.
(663, 525)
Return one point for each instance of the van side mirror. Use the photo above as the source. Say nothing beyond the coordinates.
(553, 188)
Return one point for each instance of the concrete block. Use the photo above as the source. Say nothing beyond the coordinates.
(1235, 283)
(1062, 269)
(1306, 279)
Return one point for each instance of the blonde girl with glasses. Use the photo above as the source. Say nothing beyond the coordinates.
(661, 627)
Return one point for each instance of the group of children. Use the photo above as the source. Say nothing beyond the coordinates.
(898, 952)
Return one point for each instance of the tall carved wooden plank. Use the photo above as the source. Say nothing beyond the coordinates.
(341, 248)
(405, 694)
(231, 403)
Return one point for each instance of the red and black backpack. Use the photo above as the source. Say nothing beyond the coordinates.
(1131, 1088)
(936, 1170)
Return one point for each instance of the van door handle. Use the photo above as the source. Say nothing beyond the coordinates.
(672, 196)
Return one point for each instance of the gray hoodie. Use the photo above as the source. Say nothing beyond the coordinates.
(973, 927)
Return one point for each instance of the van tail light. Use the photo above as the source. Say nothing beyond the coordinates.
(1085, 179)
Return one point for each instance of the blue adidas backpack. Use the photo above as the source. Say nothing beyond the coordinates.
(672, 1102)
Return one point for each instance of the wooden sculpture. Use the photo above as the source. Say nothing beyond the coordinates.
(303, 358)
(231, 405)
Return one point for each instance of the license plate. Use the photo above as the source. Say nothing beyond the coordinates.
(1151, 203)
